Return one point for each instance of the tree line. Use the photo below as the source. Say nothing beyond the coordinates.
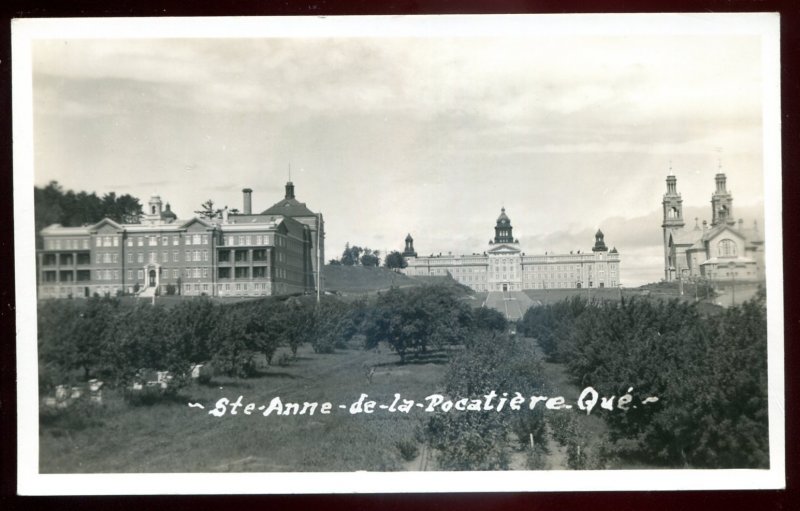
(54, 205)
(112, 340)
(709, 372)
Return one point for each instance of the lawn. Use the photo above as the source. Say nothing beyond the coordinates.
(172, 437)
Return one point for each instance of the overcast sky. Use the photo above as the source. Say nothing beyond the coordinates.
(430, 136)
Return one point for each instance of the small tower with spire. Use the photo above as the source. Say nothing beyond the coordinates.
(599, 243)
(672, 223)
(502, 229)
(409, 250)
(721, 203)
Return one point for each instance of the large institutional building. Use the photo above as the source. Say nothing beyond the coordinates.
(504, 267)
(726, 250)
(277, 251)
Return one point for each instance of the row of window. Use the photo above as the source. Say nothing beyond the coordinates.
(152, 257)
(248, 239)
(68, 244)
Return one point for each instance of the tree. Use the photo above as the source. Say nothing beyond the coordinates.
(53, 205)
(351, 255)
(370, 257)
(207, 210)
(395, 261)
(417, 319)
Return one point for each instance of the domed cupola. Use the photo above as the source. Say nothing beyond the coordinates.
(502, 230)
(168, 215)
(409, 250)
(599, 244)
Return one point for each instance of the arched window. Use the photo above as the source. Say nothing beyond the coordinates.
(727, 248)
(673, 213)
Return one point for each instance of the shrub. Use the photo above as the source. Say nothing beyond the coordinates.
(409, 449)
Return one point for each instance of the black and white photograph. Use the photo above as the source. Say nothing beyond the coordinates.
(390, 254)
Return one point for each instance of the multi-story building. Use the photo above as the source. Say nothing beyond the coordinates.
(724, 251)
(275, 252)
(503, 266)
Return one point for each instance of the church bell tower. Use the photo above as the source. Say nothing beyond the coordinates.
(721, 204)
(673, 223)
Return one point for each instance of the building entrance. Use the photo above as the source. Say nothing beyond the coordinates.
(152, 278)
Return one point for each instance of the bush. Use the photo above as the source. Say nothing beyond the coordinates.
(77, 415)
(409, 449)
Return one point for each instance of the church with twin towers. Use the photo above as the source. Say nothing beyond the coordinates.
(725, 251)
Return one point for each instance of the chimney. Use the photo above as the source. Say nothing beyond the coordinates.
(247, 208)
(225, 215)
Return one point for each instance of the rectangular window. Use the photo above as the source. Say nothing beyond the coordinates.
(188, 255)
(164, 241)
(152, 241)
(196, 239)
(174, 256)
(164, 257)
(130, 274)
(116, 241)
(99, 258)
(139, 241)
(175, 240)
(114, 257)
(116, 274)
(205, 255)
(205, 239)
(85, 244)
(175, 273)
(129, 242)
(140, 274)
(205, 273)
(98, 242)
(248, 240)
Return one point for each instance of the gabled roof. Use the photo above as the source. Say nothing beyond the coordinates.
(714, 231)
(503, 247)
(186, 223)
(106, 221)
(685, 237)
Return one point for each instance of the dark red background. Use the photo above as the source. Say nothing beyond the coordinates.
(617, 501)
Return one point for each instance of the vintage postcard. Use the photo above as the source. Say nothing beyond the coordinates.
(394, 254)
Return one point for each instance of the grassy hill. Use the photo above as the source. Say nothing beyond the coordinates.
(363, 279)
(366, 280)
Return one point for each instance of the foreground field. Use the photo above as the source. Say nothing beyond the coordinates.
(172, 437)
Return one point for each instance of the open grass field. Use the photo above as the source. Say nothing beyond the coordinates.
(172, 437)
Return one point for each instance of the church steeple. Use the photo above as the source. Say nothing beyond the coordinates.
(721, 203)
(502, 230)
(289, 190)
(672, 204)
